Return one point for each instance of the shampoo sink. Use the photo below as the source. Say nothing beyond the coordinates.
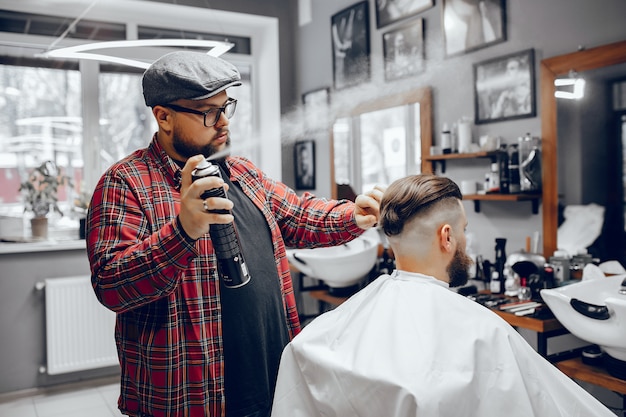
(593, 310)
(338, 266)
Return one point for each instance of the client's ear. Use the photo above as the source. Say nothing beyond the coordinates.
(445, 238)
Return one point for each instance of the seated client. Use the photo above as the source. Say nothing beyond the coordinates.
(406, 345)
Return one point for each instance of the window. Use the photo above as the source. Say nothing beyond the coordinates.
(107, 119)
(40, 111)
(127, 124)
(377, 147)
(42, 116)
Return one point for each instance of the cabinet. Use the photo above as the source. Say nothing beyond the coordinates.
(477, 198)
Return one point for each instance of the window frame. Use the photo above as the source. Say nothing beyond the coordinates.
(262, 31)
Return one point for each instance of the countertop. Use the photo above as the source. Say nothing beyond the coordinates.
(49, 245)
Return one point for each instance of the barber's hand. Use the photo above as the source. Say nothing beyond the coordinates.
(368, 207)
(193, 216)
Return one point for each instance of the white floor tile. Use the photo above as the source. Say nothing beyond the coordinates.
(111, 393)
(66, 403)
(22, 408)
(90, 412)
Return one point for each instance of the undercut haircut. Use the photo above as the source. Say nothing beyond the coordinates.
(412, 196)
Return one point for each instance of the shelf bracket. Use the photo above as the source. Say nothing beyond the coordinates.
(443, 165)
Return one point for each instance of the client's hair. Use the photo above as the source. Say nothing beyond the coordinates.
(414, 195)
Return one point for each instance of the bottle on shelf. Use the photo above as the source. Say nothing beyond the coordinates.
(503, 172)
(500, 261)
(465, 135)
(446, 139)
(493, 185)
(514, 179)
(529, 164)
(454, 137)
(495, 285)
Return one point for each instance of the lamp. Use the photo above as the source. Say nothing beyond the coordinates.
(217, 48)
(575, 87)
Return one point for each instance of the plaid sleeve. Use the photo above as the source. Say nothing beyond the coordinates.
(308, 221)
(131, 264)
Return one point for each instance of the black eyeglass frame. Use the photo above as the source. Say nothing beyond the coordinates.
(228, 109)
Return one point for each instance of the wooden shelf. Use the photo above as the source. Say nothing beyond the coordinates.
(477, 198)
(530, 323)
(446, 156)
(324, 296)
(449, 156)
(576, 369)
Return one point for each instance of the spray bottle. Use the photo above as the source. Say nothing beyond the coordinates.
(230, 262)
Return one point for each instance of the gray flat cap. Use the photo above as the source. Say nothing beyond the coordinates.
(187, 75)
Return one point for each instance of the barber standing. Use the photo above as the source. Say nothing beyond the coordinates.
(189, 346)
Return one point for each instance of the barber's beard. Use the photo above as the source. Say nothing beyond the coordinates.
(185, 147)
(458, 269)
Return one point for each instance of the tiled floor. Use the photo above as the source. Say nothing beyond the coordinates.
(98, 399)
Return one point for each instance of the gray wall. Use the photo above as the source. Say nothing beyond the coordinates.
(287, 13)
(22, 317)
(550, 27)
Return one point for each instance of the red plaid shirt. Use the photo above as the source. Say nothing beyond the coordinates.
(164, 287)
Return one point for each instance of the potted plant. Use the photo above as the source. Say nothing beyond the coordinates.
(40, 193)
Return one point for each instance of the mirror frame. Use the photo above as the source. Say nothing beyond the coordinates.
(422, 95)
(551, 68)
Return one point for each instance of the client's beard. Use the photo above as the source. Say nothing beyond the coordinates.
(458, 269)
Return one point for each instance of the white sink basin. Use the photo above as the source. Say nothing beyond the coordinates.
(338, 266)
(594, 311)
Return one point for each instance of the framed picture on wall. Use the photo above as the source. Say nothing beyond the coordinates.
(304, 160)
(391, 11)
(469, 25)
(315, 107)
(504, 87)
(351, 45)
(403, 49)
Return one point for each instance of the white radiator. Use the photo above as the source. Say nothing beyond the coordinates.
(79, 330)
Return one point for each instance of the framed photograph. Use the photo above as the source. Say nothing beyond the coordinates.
(315, 106)
(403, 49)
(391, 11)
(304, 158)
(504, 87)
(469, 25)
(351, 45)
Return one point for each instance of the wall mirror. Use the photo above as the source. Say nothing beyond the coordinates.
(584, 165)
(380, 141)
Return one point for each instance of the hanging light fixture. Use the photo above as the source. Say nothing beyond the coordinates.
(572, 88)
(216, 48)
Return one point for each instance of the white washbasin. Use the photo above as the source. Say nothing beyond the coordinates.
(338, 266)
(594, 311)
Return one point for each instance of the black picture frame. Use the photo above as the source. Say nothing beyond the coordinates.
(469, 25)
(392, 11)
(316, 108)
(304, 164)
(350, 42)
(403, 50)
(504, 87)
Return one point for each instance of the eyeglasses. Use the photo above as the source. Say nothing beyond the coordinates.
(212, 115)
